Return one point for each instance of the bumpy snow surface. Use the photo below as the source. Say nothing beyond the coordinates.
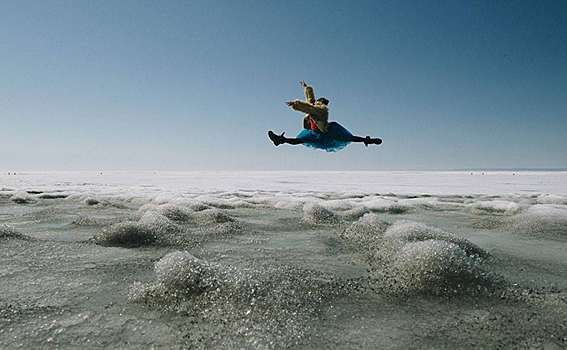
(283, 260)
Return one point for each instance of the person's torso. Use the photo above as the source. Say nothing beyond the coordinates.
(313, 125)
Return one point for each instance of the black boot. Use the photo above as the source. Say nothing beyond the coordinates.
(369, 141)
(276, 139)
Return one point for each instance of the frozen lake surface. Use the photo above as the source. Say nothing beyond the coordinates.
(273, 260)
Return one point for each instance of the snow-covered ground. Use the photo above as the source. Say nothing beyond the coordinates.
(283, 260)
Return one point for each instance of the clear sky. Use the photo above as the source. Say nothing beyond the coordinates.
(196, 85)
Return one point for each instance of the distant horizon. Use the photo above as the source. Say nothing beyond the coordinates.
(5, 172)
(513, 169)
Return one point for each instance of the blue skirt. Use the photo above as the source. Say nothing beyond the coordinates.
(336, 138)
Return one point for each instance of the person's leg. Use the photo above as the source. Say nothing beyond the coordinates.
(279, 139)
(367, 140)
(293, 141)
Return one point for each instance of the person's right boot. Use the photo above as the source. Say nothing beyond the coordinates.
(369, 141)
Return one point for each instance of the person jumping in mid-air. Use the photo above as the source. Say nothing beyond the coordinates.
(319, 133)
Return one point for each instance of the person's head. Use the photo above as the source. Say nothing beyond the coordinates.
(323, 101)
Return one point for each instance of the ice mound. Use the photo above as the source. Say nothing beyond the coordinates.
(399, 208)
(314, 213)
(126, 234)
(355, 212)
(210, 216)
(226, 203)
(159, 224)
(91, 201)
(541, 220)
(175, 212)
(179, 274)
(226, 228)
(183, 277)
(426, 203)
(244, 308)
(22, 198)
(551, 199)
(290, 205)
(183, 271)
(152, 229)
(438, 267)
(219, 203)
(410, 231)
(411, 257)
(392, 206)
(338, 205)
(5, 197)
(146, 208)
(369, 227)
(454, 200)
(198, 206)
(163, 217)
(52, 195)
(171, 211)
(496, 208)
(7, 231)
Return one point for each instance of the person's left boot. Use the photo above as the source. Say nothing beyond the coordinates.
(276, 139)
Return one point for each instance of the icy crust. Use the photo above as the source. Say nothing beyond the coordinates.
(520, 319)
(23, 198)
(366, 229)
(126, 234)
(521, 213)
(410, 257)
(438, 267)
(231, 308)
(91, 201)
(210, 216)
(152, 229)
(162, 225)
(349, 204)
(183, 214)
(410, 231)
(54, 195)
(552, 199)
(540, 220)
(316, 214)
(383, 205)
(228, 201)
(171, 211)
(179, 275)
(496, 207)
(7, 231)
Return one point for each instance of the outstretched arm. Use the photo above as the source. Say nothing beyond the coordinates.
(309, 94)
(307, 108)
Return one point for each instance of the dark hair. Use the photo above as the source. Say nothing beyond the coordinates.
(323, 101)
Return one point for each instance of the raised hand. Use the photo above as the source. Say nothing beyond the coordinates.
(303, 83)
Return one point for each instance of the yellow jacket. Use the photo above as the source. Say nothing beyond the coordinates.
(314, 109)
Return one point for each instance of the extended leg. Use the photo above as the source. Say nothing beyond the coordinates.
(279, 139)
(367, 140)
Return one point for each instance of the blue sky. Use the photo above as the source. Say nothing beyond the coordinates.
(195, 85)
